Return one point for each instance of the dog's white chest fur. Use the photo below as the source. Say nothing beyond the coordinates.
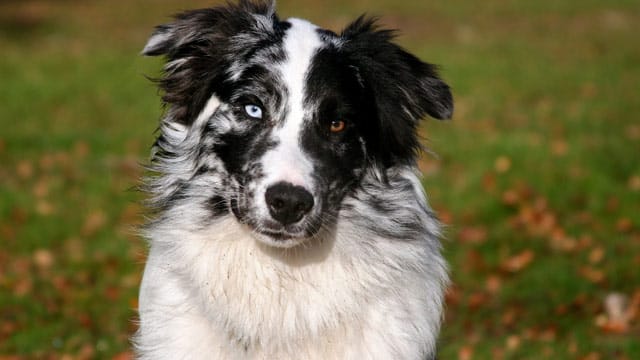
(218, 294)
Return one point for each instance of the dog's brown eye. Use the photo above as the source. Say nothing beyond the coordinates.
(337, 126)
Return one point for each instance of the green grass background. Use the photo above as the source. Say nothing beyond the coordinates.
(537, 177)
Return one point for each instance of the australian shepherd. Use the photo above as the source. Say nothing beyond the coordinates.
(288, 220)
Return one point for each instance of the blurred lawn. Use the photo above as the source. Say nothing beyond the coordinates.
(537, 176)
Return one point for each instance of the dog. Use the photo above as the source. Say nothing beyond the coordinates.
(288, 220)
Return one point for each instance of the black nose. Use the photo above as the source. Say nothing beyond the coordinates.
(288, 203)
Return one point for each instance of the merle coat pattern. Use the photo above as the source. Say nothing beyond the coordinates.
(288, 220)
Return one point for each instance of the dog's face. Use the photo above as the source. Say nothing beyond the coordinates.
(288, 117)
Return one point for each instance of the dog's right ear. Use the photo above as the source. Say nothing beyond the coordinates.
(160, 42)
(200, 47)
(213, 23)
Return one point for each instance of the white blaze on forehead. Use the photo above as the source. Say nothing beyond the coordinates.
(287, 162)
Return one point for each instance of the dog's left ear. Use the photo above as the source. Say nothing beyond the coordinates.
(403, 87)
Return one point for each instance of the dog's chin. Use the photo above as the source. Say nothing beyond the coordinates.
(278, 239)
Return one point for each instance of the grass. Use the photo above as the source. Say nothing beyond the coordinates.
(537, 177)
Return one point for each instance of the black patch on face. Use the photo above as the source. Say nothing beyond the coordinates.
(335, 94)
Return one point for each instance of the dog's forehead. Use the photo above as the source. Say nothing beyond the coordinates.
(301, 42)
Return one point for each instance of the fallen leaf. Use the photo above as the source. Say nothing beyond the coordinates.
(634, 183)
(94, 222)
(594, 275)
(559, 147)
(518, 262)
(41, 188)
(465, 353)
(489, 182)
(510, 316)
(493, 284)
(502, 164)
(633, 132)
(44, 208)
(24, 169)
(624, 225)
(596, 255)
(513, 342)
(478, 300)
(43, 258)
(473, 235)
(510, 197)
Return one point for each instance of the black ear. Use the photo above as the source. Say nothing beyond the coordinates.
(200, 47)
(218, 23)
(403, 87)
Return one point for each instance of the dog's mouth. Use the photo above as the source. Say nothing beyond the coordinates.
(281, 239)
(277, 235)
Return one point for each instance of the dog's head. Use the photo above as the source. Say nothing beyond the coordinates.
(286, 116)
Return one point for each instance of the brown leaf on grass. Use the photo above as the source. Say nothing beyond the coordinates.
(474, 262)
(453, 295)
(559, 147)
(44, 208)
(510, 197)
(592, 274)
(94, 222)
(445, 216)
(478, 300)
(23, 286)
(634, 183)
(489, 182)
(596, 255)
(493, 284)
(549, 334)
(473, 235)
(518, 262)
(513, 342)
(510, 316)
(24, 169)
(43, 259)
(624, 225)
(41, 188)
(465, 353)
(502, 164)
(87, 352)
(560, 241)
(633, 132)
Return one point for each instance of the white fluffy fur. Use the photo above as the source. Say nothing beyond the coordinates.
(350, 296)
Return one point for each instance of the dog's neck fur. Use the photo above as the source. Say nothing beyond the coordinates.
(220, 291)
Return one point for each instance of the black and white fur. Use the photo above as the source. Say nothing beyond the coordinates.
(289, 222)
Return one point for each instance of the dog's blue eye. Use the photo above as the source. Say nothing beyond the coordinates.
(254, 111)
